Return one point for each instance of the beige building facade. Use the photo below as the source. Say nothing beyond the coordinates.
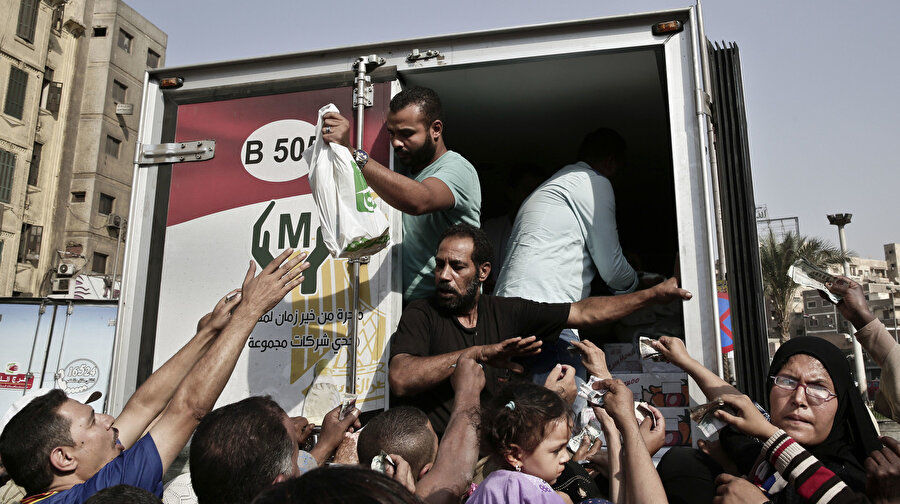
(65, 153)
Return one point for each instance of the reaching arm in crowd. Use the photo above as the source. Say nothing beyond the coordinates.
(198, 392)
(593, 359)
(332, 434)
(853, 307)
(874, 337)
(561, 380)
(154, 394)
(593, 311)
(612, 460)
(883, 473)
(710, 383)
(410, 374)
(454, 466)
(642, 483)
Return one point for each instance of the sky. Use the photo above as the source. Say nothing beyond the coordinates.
(819, 80)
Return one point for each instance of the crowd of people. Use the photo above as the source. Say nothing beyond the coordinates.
(491, 393)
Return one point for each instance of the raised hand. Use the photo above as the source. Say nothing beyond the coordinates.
(746, 417)
(499, 354)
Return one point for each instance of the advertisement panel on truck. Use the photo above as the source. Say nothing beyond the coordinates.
(248, 203)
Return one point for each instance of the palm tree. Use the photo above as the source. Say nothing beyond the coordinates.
(776, 257)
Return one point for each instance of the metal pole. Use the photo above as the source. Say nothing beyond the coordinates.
(352, 328)
(713, 161)
(112, 288)
(841, 220)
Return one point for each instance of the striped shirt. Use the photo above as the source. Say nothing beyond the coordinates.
(812, 481)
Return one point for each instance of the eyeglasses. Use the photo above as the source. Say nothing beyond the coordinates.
(815, 394)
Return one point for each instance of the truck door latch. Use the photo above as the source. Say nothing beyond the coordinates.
(178, 152)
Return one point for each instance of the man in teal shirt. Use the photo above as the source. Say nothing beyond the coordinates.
(442, 188)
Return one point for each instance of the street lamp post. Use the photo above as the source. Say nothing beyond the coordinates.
(841, 220)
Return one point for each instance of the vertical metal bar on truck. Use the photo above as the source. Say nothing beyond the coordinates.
(352, 329)
(706, 158)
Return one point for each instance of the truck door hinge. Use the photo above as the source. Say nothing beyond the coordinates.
(704, 102)
(416, 55)
(178, 152)
(362, 83)
(368, 93)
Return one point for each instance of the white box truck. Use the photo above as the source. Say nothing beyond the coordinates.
(220, 180)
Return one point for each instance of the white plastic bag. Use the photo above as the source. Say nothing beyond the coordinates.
(352, 224)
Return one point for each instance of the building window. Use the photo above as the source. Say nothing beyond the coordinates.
(15, 92)
(799, 332)
(152, 59)
(30, 244)
(811, 304)
(105, 207)
(34, 171)
(57, 23)
(99, 31)
(98, 265)
(28, 13)
(7, 169)
(813, 322)
(119, 91)
(124, 41)
(112, 146)
(51, 92)
(78, 196)
(886, 315)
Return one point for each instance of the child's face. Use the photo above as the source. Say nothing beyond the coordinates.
(547, 461)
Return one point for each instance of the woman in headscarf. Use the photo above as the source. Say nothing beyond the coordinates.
(813, 448)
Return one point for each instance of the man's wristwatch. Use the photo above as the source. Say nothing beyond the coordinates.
(361, 157)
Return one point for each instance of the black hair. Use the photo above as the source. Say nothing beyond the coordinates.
(600, 144)
(425, 99)
(239, 449)
(30, 436)
(123, 493)
(520, 414)
(402, 430)
(482, 251)
(338, 485)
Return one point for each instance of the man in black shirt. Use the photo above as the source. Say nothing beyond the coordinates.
(458, 320)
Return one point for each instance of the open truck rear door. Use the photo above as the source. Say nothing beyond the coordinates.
(510, 95)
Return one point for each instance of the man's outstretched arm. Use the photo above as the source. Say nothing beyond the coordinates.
(403, 193)
(597, 310)
(454, 466)
(410, 374)
(199, 391)
(154, 394)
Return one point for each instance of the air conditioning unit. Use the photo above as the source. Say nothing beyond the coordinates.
(61, 285)
(65, 269)
(114, 221)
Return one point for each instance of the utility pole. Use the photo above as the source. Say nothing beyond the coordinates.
(841, 220)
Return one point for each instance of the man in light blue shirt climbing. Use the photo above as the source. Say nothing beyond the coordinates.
(565, 234)
(442, 188)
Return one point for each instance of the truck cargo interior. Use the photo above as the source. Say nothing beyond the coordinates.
(503, 116)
